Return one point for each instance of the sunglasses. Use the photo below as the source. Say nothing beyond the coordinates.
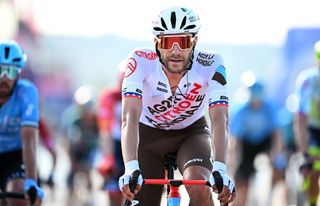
(10, 71)
(183, 42)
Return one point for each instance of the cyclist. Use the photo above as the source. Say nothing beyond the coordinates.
(47, 141)
(165, 92)
(307, 125)
(18, 125)
(109, 121)
(80, 124)
(255, 129)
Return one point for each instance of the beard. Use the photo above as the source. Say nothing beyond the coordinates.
(172, 67)
(5, 90)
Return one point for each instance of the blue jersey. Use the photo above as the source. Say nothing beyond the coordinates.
(254, 124)
(21, 109)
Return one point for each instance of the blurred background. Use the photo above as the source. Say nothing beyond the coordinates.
(79, 44)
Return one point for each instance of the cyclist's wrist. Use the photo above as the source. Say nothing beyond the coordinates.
(219, 166)
(28, 183)
(132, 165)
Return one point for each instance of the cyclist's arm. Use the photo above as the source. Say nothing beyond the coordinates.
(131, 111)
(29, 137)
(301, 132)
(277, 143)
(219, 127)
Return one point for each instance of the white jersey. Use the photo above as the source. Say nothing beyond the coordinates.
(204, 85)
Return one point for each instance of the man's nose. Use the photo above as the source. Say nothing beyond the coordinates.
(176, 48)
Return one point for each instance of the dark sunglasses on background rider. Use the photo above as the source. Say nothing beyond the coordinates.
(11, 72)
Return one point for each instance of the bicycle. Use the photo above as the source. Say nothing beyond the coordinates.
(32, 193)
(173, 185)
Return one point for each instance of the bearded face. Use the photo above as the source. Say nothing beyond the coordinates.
(6, 87)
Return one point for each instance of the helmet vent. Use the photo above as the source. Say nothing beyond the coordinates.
(6, 52)
(164, 24)
(190, 26)
(157, 29)
(183, 23)
(173, 20)
(16, 60)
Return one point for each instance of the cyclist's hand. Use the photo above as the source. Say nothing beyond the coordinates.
(124, 180)
(30, 183)
(228, 193)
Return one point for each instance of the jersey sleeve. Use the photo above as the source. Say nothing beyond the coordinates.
(134, 77)
(218, 86)
(30, 106)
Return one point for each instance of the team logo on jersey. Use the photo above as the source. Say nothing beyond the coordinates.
(205, 59)
(162, 87)
(220, 75)
(176, 109)
(131, 67)
(147, 55)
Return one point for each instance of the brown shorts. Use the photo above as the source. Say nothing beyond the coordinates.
(191, 145)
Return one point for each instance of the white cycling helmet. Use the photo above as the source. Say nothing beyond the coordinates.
(176, 20)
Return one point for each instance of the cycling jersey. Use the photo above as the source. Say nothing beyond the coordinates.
(109, 113)
(204, 84)
(256, 124)
(308, 91)
(20, 110)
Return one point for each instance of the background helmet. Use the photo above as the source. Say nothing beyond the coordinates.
(256, 91)
(12, 54)
(176, 20)
(317, 50)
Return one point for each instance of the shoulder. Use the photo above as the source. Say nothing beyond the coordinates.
(211, 65)
(207, 59)
(306, 76)
(143, 53)
(24, 85)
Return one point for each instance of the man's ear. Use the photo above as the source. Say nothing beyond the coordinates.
(155, 40)
(195, 40)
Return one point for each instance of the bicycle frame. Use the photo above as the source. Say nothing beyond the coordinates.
(174, 197)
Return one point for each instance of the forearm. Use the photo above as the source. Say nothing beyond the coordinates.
(131, 112)
(301, 133)
(129, 140)
(277, 143)
(220, 140)
(29, 140)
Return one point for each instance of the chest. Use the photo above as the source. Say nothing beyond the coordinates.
(10, 117)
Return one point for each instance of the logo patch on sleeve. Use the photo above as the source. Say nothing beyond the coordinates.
(220, 75)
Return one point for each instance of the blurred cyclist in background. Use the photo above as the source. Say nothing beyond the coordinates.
(307, 126)
(19, 116)
(109, 121)
(48, 142)
(255, 130)
(80, 122)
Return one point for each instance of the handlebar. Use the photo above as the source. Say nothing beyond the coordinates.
(176, 183)
(32, 193)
